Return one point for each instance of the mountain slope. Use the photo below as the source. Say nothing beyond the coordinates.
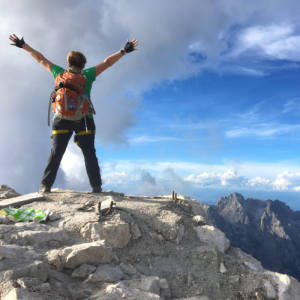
(267, 230)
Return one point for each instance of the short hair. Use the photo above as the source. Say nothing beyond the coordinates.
(76, 59)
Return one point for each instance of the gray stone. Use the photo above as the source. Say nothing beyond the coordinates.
(249, 261)
(200, 220)
(6, 287)
(42, 288)
(121, 293)
(116, 233)
(222, 268)
(180, 234)
(23, 294)
(95, 252)
(106, 273)
(28, 282)
(54, 259)
(156, 236)
(165, 292)
(54, 244)
(7, 252)
(213, 237)
(53, 216)
(79, 291)
(37, 269)
(135, 231)
(83, 271)
(35, 237)
(195, 298)
(128, 269)
(21, 200)
(288, 287)
(149, 284)
(4, 219)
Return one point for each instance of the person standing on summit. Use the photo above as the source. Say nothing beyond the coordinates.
(63, 127)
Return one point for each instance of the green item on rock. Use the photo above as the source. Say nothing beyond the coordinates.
(26, 214)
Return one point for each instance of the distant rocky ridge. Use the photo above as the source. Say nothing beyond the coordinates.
(148, 248)
(267, 230)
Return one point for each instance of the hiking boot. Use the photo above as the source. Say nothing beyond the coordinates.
(45, 189)
(97, 189)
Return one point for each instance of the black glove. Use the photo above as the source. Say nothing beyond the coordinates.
(17, 42)
(129, 47)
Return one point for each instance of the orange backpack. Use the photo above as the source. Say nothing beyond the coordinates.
(69, 101)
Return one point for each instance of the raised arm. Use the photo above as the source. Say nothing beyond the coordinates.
(20, 43)
(109, 61)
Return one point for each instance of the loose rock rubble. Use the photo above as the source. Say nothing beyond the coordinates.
(6, 192)
(147, 248)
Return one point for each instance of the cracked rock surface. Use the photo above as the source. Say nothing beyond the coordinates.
(147, 248)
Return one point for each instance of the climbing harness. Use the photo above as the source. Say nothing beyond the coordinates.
(75, 136)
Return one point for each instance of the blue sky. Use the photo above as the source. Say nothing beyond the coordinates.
(208, 105)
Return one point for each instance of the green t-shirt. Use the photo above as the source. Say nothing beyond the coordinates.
(90, 75)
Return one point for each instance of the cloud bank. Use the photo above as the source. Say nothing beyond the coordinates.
(172, 36)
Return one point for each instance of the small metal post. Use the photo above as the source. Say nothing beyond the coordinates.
(173, 196)
(258, 297)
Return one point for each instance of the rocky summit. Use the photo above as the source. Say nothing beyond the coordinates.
(267, 230)
(145, 248)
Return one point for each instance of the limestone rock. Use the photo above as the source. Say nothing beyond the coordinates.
(23, 294)
(195, 298)
(128, 269)
(7, 252)
(35, 237)
(37, 269)
(95, 252)
(42, 288)
(135, 231)
(80, 291)
(180, 234)
(83, 271)
(116, 233)
(7, 286)
(4, 219)
(6, 192)
(147, 284)
(288, 287)
(53, 216)
(106, 273)
(249, 261)
(213, 236)
(222, 268)
(165, 292)
(121, 293)
(200, 220)
(156, 236)
(54, 259)
(28, 282)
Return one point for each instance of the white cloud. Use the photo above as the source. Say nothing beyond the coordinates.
(287, 180)
(152, 139)
(261, 130)
(205, 179)
(291, 105)
(232, 178)
(119, 178)
(259, 182)
(275, 42)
